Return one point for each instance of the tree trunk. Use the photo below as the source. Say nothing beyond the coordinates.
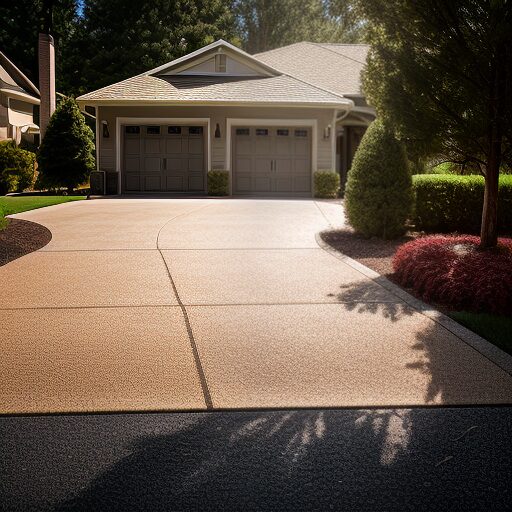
(489, 229)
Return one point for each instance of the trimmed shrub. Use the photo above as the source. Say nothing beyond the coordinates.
(327, 183)
(17, 168)
(378, 197)
(447, 203)
(452, 271)
(218, 183)
(66, 155)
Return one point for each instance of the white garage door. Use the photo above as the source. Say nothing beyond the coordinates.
(163, 159)
(272, 161)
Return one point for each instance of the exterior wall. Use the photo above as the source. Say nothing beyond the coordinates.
(217, 115)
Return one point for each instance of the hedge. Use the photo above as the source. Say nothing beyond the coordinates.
(17, 168)
(327, 183)
(218, 183)
(447, 203)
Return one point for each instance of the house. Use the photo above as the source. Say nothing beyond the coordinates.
(18, 99)
(270, 119)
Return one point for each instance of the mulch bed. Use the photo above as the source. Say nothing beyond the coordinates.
(375, 253)
(21, 237)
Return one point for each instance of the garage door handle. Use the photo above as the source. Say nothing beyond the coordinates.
(165, 163)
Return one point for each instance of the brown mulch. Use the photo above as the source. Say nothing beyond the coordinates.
(375, 253)
(21, 237)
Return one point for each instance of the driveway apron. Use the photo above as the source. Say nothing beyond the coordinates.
(193, 304)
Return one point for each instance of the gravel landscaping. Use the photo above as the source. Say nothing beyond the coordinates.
(21, 237)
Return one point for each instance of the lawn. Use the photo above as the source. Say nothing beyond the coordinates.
(18, 204)
(496, 329)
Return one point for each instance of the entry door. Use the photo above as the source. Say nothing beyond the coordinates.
(272, 161)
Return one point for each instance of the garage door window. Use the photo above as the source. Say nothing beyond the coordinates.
(261, 131)
(153, 130)
(195, 130)
(301, 133)
(242, 131)
(283, 133)
(174, 130)
(132, 130)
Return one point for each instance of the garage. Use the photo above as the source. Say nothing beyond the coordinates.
(163, 158)
(269, 160)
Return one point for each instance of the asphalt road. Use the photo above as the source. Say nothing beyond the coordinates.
(445, 459)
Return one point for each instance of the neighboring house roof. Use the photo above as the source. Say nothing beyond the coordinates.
(269, 86)
(14, 82)
(340, 69)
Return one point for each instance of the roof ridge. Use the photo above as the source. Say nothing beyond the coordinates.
(320, 45)
(280, 48)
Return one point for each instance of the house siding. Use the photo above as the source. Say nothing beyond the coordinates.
(217, 115)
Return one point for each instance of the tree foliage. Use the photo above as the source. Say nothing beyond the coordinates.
(378, 195)
(66, 155)
(117, 39)
(441, 73)
(267, 24)
(22, 21)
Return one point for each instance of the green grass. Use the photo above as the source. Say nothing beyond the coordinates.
(496, 329)
(18, 204)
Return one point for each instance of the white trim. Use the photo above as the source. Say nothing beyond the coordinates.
(231, 122)
(22, 96)
(120, 121)
(97, 112)
(333, 141)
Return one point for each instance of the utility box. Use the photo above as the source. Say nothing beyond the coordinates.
(97, 181)
(112, 179)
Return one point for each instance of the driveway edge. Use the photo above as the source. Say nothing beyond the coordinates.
(481, 345)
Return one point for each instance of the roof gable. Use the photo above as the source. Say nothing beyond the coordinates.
(11, 78)
(202, 62)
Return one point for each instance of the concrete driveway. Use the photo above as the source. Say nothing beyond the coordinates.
(194, 304)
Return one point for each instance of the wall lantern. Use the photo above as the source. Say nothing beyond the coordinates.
(327, 131)
(217, 131)
(106, 134)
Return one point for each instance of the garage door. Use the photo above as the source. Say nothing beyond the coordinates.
(272, 161)
(163, 159)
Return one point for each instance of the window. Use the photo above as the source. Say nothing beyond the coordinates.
(153, 130)
(242, 131)
(261, 131)
(301, 133)
(283, 133)
(220, 63)
(174, 130)
(195, 130)
(132, 130)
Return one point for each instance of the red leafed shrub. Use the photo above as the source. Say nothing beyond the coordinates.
(454, 272)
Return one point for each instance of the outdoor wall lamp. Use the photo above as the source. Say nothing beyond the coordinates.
(106, 134)
(217, 131)
(327, 131)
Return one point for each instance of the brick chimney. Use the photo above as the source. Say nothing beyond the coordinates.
(46, 80)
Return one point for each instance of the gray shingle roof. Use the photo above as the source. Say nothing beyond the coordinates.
(334, 67)
(174, 88)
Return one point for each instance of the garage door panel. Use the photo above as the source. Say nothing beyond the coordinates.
(262, 184)
(302, 166)
(152, 146)
(175, 183)
(195, 164)
(302, 184)
(132, 146)
(284, 184)
(244, 145)
(132, 164)
(132, 182)
(195, 183)
(195, 146)
(152, 164)
(175, 164)
(243, 184)
(262, 164)
(301, 147)
(174, 146)
(152, 183)
(283, 146)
